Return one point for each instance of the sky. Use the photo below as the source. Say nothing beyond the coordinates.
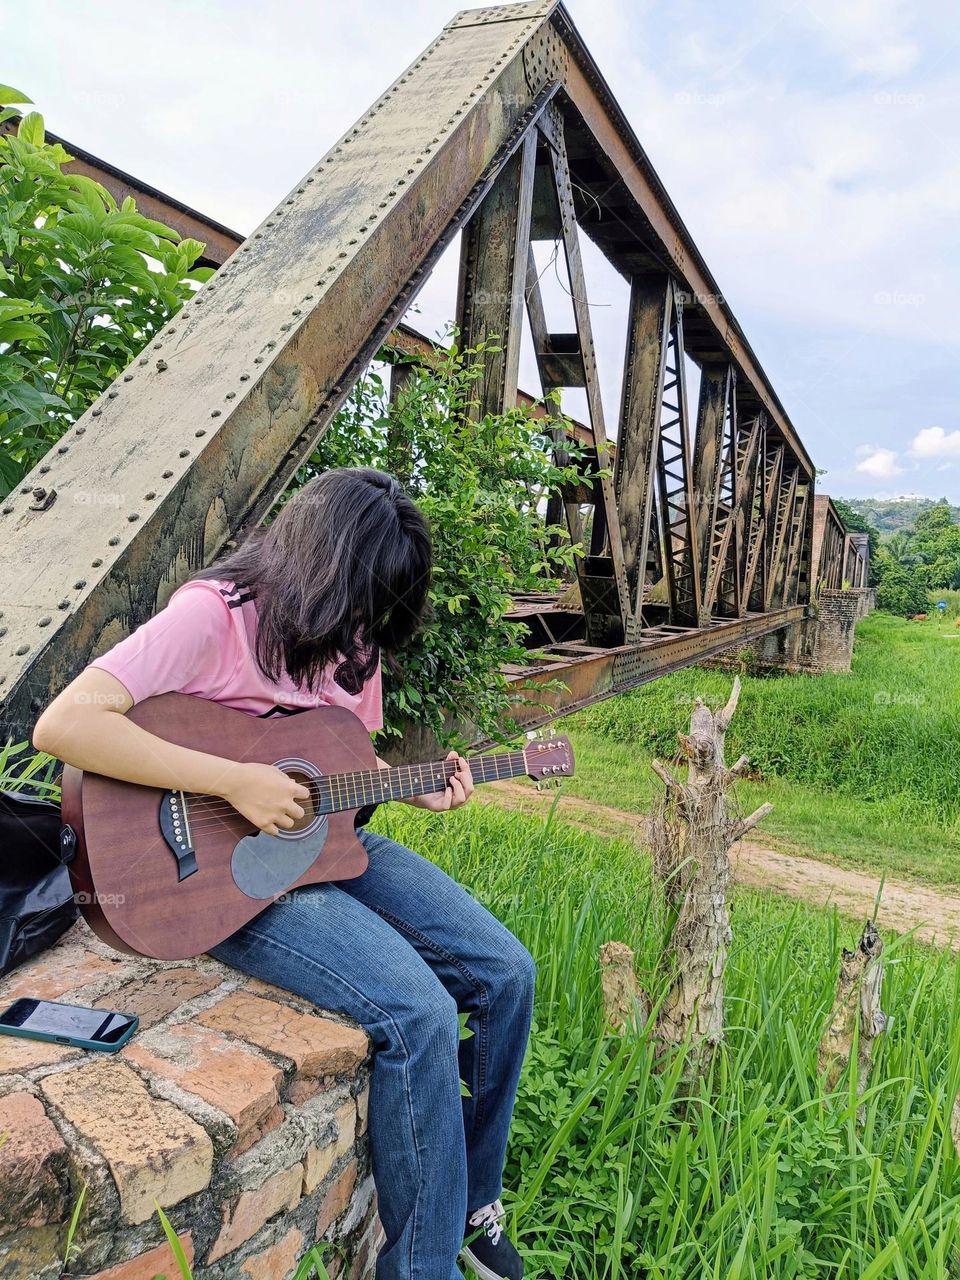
(812, 149)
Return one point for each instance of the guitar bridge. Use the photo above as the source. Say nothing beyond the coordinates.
(175, 828)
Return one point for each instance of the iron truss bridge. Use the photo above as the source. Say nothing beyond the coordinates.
(701, 526)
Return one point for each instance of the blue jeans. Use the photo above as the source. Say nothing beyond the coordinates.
(401, 949)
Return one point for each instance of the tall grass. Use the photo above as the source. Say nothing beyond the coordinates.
(889, 732)
(617, 1170)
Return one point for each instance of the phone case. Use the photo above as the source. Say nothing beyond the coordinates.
(75, 1041)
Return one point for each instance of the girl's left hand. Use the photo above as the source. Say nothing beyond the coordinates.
(458, 790)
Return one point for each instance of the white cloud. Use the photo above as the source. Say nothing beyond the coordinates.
(881, 464)
(871, 37)
(934, 442)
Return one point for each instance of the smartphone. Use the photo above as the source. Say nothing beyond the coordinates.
(71, 1024)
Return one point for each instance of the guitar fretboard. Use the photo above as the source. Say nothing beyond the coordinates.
(336, 791)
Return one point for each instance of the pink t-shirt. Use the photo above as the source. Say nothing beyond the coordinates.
(202, 643)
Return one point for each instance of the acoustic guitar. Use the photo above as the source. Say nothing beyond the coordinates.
(169, 874)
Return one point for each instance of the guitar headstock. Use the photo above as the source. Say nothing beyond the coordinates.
(548, 758)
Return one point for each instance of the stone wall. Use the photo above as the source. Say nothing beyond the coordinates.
(237, 1107)
(822, 642)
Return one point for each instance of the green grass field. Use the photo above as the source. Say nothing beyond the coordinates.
(862, 769)
(614, 1173)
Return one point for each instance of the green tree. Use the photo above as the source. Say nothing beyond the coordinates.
(902, 591)
(85, 284)
(482, 483)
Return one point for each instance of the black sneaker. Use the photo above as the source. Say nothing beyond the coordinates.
(486, 1249)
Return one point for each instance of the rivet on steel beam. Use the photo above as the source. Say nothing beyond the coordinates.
(81, 431)
(162, 366)
(44, 470)
(3, 631)
(200, 433)
(64, 604)
(244, 377)
(79, 584)
(166, 475)
(184, 453)
(45, 621)
(113, 542)
(95, 564)
(245, 248)
(24, 648)
(128, 377)
(258, 359)
(63, 448)
(289, 202)
(309, 180)
(8, 511)
(112, 395)
(143, 360)
(214, 413)
(97, 412)
(285, 327)
(133, 517)
(231, 395)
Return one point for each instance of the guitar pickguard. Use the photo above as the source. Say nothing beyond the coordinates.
(263, 866)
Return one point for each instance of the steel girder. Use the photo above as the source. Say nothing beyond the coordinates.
(504, 128)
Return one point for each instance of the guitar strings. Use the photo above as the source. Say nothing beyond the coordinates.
(348, 791)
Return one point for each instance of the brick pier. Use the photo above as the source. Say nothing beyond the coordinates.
(237, 1107)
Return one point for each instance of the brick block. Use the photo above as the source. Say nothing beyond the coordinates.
(147, 1266)
(317, 1046)
(363, 1109)
(32, 1165)
(24, 1055)
(243, 1217)
(153, 1150)
(29, 1254)
(319, 1160)
(236, 1080)
(336, 1199)
(155, 998)
(66, 967)
(275, 1263)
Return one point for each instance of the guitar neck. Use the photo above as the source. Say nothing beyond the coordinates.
(337, 791)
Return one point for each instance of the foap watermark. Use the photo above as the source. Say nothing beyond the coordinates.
(83, 899)
(98, 498)
(896, 98)
(897, 698)
(85, 697)
(696, 98)
(898, 298)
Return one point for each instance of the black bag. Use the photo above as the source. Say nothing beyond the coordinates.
(36, 897)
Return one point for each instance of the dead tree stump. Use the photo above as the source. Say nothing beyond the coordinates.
(691, 835)
(857, 999)
(624, 1004)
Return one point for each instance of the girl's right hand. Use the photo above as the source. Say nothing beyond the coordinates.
(266, 796)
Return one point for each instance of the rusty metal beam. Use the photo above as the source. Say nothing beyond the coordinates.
(207, 426)
(503, 127)
(493, 266)
(602, 673)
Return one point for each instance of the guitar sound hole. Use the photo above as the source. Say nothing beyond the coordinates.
(307, 805)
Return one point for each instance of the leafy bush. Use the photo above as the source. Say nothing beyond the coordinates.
(84, 286)
(480, 482)
(902, 591)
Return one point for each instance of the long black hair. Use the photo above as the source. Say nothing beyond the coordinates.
(343, 569)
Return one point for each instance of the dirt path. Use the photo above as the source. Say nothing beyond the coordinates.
(903, 905)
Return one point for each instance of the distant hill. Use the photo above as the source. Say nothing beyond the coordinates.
(890, 514)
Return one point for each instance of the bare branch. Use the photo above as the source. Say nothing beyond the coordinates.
(726, 715)
(746, 824)
(665, 776)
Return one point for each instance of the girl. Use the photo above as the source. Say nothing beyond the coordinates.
(297, 617)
